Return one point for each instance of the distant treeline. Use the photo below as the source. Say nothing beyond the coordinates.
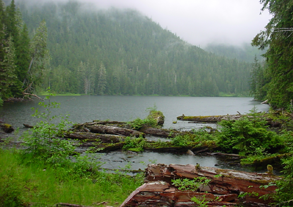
(123, 52)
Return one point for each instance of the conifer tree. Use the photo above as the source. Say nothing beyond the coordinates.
(8, 77)
(39, 54)
(23, 59)
(102, 80)
(279, 40)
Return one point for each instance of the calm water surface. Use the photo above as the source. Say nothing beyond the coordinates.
(127, 108)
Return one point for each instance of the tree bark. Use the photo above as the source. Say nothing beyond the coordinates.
(165, 133)
(89, 136)
(226, 184)
(103, 129)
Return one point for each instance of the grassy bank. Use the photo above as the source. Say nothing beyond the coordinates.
(38, 184)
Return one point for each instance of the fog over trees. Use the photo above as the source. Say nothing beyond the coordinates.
(120, 52)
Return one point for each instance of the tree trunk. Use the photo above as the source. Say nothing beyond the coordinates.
(226, 184)
(90, 137)
(103, 129)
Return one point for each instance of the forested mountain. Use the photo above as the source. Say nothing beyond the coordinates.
(123, 52)
(246, 52)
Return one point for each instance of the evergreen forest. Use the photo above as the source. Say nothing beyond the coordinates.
(122, 52)
(22, 58)
(272, 78)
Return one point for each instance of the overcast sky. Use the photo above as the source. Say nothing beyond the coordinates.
(200, 22)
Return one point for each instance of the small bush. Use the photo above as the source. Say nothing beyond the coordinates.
(134, 144)
(243, 136)
(138, 123)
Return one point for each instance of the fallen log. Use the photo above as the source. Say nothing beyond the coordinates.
(90, 137)
(104, 129)
(223, 188)
(165, 133)
(208, 119)
(28, 126)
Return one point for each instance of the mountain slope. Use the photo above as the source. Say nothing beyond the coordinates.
(123, 52)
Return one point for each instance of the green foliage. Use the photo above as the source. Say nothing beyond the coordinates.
(246, 134)
(139, 56)
(245, 52)
(193, 185)
(134, 144)
(197, 137)
(200, 202)
(138, 123)
(277, 37)
(44, 143)
(259, 80)
(284, 195)
(38, 184)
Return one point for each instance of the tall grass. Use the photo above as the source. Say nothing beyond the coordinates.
(36, 184)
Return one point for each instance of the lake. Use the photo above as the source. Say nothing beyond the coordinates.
(127, 108)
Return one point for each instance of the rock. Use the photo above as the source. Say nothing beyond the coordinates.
(7, 128)
(189, 152)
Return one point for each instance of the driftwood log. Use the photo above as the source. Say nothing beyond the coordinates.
(165, 133)
(224, 187)
(104, 129)
(208, 119)
(89, 136)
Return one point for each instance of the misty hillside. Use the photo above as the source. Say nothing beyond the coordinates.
(123, 52)
(246, 52)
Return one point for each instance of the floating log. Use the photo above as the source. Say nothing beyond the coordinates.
(208, 119)
(89, 136)
(165, 133)
(98, 128)
(28, 126)
(116, 123)
(223, 189)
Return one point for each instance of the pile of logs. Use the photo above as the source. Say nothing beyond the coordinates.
(226, 187)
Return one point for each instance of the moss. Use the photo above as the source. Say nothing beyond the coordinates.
(7, 128)
(135, 149)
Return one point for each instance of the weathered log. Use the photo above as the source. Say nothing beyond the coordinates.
(165, 133)
(7, 128)
(224, 184)
(28, 126)
(89, 136)
(208, 119)
(98, 128)
(109, 122)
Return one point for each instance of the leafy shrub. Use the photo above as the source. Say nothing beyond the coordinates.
(138, 123)
(284, 195)
(44, 143)
(136, 144)
(246, 134)
(193, 185)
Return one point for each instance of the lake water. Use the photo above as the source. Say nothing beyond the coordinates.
(127, 108)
